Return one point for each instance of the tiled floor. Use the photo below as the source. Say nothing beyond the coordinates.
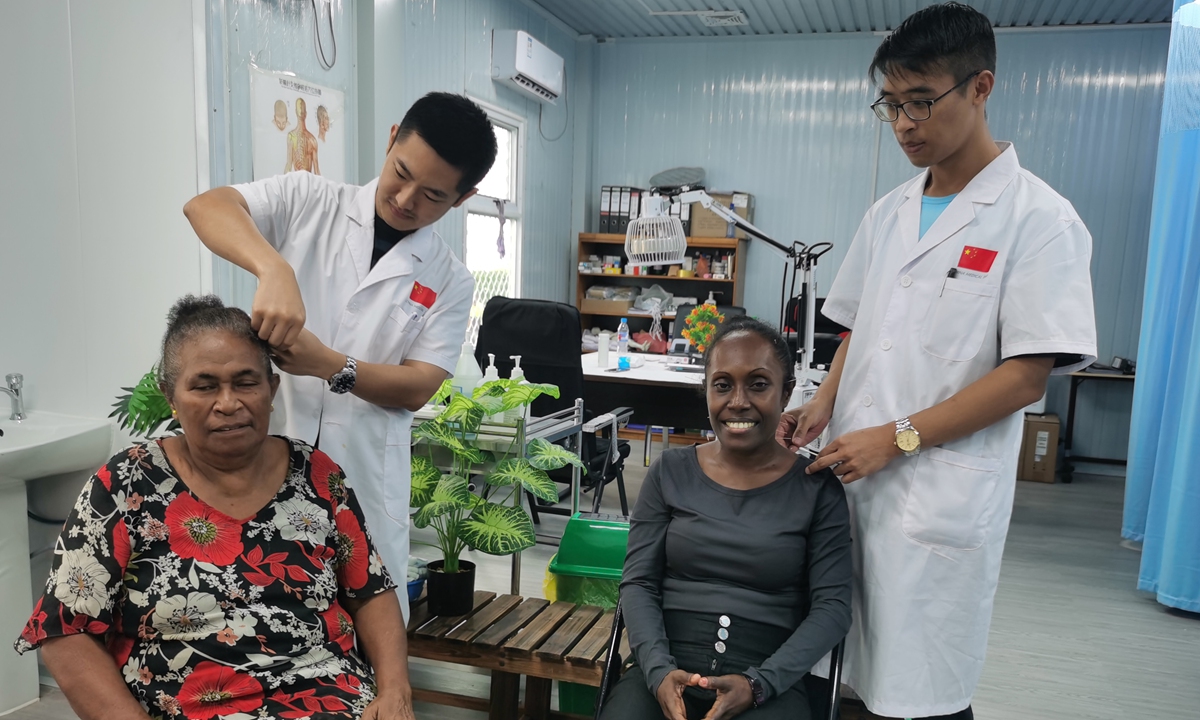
(1071, 638)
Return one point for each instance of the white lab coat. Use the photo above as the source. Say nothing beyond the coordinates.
(325, 230)
(929, 530)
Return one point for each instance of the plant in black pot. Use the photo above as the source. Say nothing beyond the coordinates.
(494, 522)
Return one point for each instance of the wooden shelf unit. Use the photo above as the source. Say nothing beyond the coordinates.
(602, 244)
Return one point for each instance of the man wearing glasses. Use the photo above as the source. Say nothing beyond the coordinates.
(965, 288)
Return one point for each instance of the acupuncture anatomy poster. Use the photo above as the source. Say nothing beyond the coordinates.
(297, 125)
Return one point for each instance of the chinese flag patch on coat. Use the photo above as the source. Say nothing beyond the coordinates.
(424, 296)
(977, 259)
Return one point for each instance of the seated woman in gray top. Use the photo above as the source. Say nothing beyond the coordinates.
(737, 579)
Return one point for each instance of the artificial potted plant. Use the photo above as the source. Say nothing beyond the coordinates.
(143, 408)
(494, 523)
(701, 325)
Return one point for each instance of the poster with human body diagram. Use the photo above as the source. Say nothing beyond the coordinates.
(297, 125)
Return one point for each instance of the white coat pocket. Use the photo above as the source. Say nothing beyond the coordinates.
(396, 335)
(950, 499)
(959, 319)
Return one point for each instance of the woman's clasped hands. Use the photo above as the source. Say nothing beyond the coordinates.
(734, 696)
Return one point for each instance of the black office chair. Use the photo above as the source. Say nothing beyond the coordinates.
(826, 333)
(547, 337)
(826, 705)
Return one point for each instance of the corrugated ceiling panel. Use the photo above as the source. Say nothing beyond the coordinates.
(629, 18)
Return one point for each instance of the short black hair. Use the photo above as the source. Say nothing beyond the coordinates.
(747, 324)
(951, 37)
(458, 130)
(191, 316)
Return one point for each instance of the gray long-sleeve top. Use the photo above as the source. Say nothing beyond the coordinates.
(778, 554)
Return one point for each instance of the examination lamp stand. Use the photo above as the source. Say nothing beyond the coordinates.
(803, 259)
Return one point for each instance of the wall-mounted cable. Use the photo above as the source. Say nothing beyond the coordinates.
(325, 62)
(566, 123)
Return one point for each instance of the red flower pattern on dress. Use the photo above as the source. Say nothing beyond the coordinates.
(34, 633)
(213, 689)
(328, 479)
(120, 647)
(349, 683)
(83, 624)
(352, 556)
(293, 575)
(121, 547)
(339, 627)
(200, 532)
(105, 477)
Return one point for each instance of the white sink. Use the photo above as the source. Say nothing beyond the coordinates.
(48, 444)
(42, 444)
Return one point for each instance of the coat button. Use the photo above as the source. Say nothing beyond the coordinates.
(724, 621)
(868, 401)
(722, 634)
(886, 344)
(719, 647)
(906, 281)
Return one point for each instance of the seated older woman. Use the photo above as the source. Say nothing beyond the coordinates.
(220, 572)
(737, 578)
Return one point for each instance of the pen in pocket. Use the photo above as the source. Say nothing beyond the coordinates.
(951, 273)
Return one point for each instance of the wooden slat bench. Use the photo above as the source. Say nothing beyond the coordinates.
(513, 636)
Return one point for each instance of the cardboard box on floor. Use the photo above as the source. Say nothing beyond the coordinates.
(706, 223)
(1039, 448)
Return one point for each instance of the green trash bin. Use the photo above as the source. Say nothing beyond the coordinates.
(587, 570)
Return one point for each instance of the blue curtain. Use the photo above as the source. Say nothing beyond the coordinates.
(1162, 492)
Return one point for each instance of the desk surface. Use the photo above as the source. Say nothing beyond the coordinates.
(1102, 375)
(656, 371)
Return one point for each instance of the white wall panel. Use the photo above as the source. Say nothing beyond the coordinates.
(99, 157)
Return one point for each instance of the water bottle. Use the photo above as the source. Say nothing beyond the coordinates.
(623, 337)
(730, 228)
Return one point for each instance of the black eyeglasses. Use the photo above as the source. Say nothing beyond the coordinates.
(916, 110)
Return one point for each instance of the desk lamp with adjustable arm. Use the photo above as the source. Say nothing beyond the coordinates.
(657, 238)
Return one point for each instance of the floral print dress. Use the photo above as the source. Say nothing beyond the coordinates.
(207, 616)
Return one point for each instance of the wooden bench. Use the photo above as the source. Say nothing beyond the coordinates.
(513, 636)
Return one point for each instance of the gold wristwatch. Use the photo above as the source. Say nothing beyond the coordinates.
(907, 437)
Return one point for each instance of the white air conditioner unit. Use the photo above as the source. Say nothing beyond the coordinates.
(523, 63)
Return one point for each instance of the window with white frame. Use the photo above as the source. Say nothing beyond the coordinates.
(492, 231)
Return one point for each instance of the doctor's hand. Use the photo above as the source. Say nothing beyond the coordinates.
(277, 313)
(734, 696)
(800, 426)
(858, 454)
(670, 693)
(308, 356)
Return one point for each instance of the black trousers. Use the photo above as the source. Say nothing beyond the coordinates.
(693, 639)
(960, 715)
